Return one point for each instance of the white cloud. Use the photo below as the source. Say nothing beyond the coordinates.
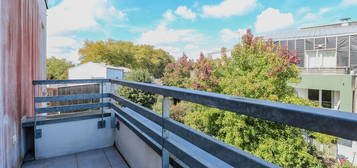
(316, 16)
(185, 12)
(164, 35)
(190, 47)
(271, 19)
(174, 41)
(349, 2)
(69, 15)
(229, 8)
(63, 47)
(311, 17)
(303, 10)
(324, 10)
(228, 35)
(169, 16)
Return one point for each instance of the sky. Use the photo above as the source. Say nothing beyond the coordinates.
(177, 26)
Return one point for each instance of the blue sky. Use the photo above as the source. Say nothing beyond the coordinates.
(177, 26)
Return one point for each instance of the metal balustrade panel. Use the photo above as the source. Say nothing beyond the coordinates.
(70, 97)
(70, 107)
(336, 123)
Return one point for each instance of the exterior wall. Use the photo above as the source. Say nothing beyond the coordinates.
(62, 138)
(349, 152)
(87, 71)
(22, 31)
(342, 83)
(135, 151)
(114, 73)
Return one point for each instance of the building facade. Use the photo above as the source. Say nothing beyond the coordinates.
(22, 60)
(328, 65)
(91, 70)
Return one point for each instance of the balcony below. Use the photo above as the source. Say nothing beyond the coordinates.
(105, 157)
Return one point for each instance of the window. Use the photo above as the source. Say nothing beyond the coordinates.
(344, 142)
(328, 58)
(313, 95)
(291, 45)
(326, 99)
(321, 59)
(312, 59)
(283, 43)
(309, 44)
(319, 43)
(331, 42)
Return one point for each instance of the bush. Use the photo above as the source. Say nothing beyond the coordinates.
(138, 96)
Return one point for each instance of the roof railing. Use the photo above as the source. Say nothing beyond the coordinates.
(187, 147)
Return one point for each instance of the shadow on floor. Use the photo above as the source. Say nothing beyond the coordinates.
(100, 158)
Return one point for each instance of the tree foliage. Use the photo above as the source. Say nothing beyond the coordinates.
(57, 68)
(127, 54)
(138, 96)
(257, 69)
(177, 73)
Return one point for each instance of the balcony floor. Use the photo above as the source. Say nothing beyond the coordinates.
(100, 158)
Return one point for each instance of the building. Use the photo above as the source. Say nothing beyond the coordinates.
(328, 65)
(91, 70)
(22, 60)
(144, 138)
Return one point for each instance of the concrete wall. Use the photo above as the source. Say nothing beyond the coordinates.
(22, 31)
(73, 137)
(342, 83)
(87, 71)
(135, 151)
(349, 152)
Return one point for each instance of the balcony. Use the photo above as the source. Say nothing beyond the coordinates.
(115, 132)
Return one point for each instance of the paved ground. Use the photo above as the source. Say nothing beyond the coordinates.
(100, 158)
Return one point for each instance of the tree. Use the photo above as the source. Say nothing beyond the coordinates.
(57, 68)
(203, 75)
(138, 96)
(120, 53)
(178, 73)
(255, 70)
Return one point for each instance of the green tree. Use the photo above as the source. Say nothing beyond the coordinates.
(138, 96)
(178, 73)
(256, 70)
(204, 76)
(127, 54)
(57, 68)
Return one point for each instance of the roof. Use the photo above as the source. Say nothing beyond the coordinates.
(105, 66)
(312, 32)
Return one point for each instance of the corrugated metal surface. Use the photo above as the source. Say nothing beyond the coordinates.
(22, 57)
(305, 33)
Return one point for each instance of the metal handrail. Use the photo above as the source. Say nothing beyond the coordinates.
(337, 123)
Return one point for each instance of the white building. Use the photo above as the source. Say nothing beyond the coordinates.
(93, 70)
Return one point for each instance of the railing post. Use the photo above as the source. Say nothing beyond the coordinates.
(35, 121)
(165, 156)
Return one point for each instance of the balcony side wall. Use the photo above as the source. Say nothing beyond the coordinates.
(135, 151)
(22, 53)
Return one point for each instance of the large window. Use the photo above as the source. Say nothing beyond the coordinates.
(325, 98)
(320, 59)
(313, 95)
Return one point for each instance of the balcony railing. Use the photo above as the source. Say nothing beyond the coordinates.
(182, 146)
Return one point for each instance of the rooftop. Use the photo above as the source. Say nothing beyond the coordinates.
(317, 31)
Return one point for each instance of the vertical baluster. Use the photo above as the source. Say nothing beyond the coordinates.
(35, 121)
(165, 134)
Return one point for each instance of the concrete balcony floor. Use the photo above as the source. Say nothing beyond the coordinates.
(99, 158)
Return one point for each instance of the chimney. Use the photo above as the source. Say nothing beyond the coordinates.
(345, 21)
